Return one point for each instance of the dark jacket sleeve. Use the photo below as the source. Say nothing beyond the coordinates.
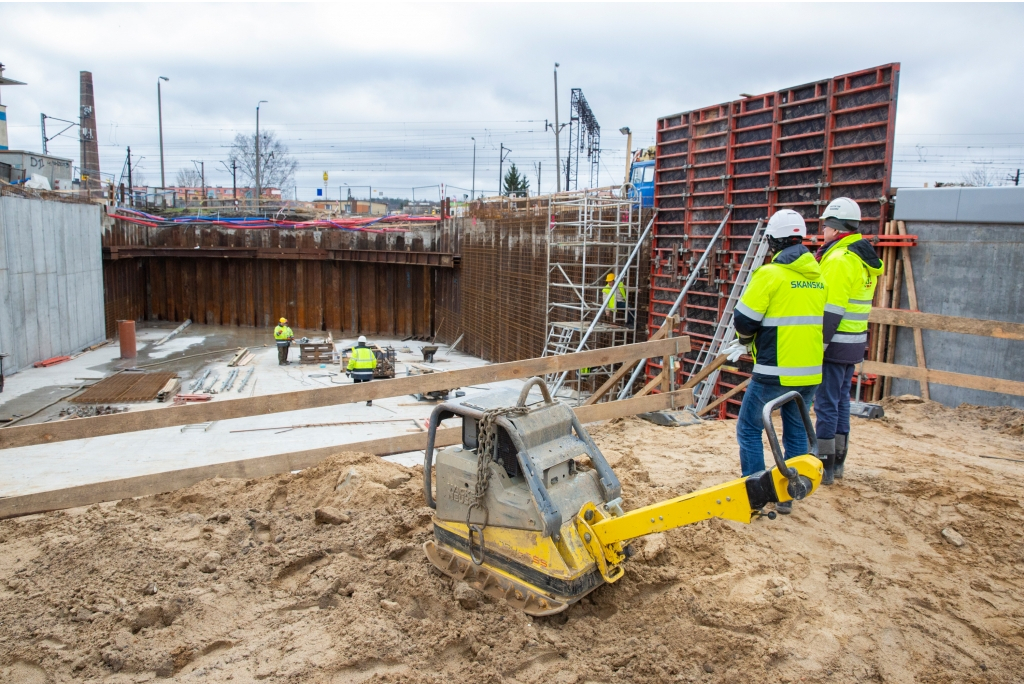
(830, 324)
(746, 328)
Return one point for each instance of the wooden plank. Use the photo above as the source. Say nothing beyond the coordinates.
(724, 397)
(950, 324)
(908, 270)
(627, 367)
(706, 371)
(890, 344)
(652, 384)
(34, 434)
(154, 484)
(959, 380)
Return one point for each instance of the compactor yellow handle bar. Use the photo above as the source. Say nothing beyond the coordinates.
(736, 500)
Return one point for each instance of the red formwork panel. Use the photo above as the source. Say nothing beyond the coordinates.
(795, 148)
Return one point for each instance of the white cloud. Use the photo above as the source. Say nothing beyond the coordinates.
(398, 90)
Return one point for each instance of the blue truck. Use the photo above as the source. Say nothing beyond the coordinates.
(641, 177)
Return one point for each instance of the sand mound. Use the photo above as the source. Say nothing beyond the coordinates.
(319, 576)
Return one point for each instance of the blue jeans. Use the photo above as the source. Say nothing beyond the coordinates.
(832, 401)
(750, 426)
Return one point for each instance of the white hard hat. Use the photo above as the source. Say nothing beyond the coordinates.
(842, 208)
(786, 223)
(362, 339)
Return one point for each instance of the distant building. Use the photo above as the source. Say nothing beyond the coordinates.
(220, 193)
(57, 170)
(363, 207)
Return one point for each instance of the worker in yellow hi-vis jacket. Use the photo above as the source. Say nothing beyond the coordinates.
(778, 321)
(283, 337)
(851, 268)
(362, 363)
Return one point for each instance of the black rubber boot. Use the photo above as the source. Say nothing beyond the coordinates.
(784, 508)
(827, 455)
(842, 445)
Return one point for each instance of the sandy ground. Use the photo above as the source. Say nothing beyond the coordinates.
(237, 581)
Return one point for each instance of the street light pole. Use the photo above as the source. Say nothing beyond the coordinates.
(472, 192)
(160, 124)
(558, 152)
(629, 149)
(501, 161)
(259, 194)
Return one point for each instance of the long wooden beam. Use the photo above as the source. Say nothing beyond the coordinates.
(950, 324)
(959, 380)
(666, 328)
(724, 397)
(77, 429)
(154, 484)
(443, 259)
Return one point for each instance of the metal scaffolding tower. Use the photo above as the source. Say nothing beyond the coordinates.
(585, 137)
(592, 235)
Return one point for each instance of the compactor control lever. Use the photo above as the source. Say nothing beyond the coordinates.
(798, 486)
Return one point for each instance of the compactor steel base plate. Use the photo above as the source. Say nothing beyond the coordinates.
(494, 582)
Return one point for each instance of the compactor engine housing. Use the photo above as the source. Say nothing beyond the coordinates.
(543, 469)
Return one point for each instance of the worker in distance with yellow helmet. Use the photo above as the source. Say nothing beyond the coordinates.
(283, 337)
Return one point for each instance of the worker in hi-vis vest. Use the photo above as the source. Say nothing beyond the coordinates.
(362, 363)
(851, 268)
(618, 300)
(283, 337)
(778, 321)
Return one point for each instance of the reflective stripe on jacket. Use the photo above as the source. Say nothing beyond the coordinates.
(782, 310)
(851, 268)
(621, 293)
(362, 359)
(282, 333)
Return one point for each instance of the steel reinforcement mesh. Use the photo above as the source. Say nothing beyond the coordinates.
(502, 283)
(795, 148)
(126, 386)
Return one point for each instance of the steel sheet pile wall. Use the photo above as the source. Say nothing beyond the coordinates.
(795, 148)
(496, 298)
(313, 288)
(51, 295)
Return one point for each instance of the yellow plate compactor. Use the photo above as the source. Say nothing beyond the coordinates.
(528, 510)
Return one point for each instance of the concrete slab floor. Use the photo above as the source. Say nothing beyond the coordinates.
(39, 468)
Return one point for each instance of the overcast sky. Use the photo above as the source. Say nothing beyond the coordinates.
(390, 95)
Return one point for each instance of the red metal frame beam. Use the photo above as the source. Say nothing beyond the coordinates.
(794, 148)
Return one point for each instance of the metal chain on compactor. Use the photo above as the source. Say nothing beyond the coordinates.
(486, 452)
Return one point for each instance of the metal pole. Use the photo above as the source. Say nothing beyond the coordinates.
(608, 297)
(501, 160)
(202, 178)
(629, 151)
(234, 183)
(160, 124)
(679, 300)
(558, 151)
(129, 176)
(472, 192)
(258, 154)
(42, 127)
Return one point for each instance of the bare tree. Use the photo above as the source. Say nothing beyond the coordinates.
(277, 168)
(188, 178)
(980, 177)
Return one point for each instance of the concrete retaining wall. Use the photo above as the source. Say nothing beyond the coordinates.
(969, 262)
(51, 279)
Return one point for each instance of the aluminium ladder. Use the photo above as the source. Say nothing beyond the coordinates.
(726, 329)
(558, 343)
